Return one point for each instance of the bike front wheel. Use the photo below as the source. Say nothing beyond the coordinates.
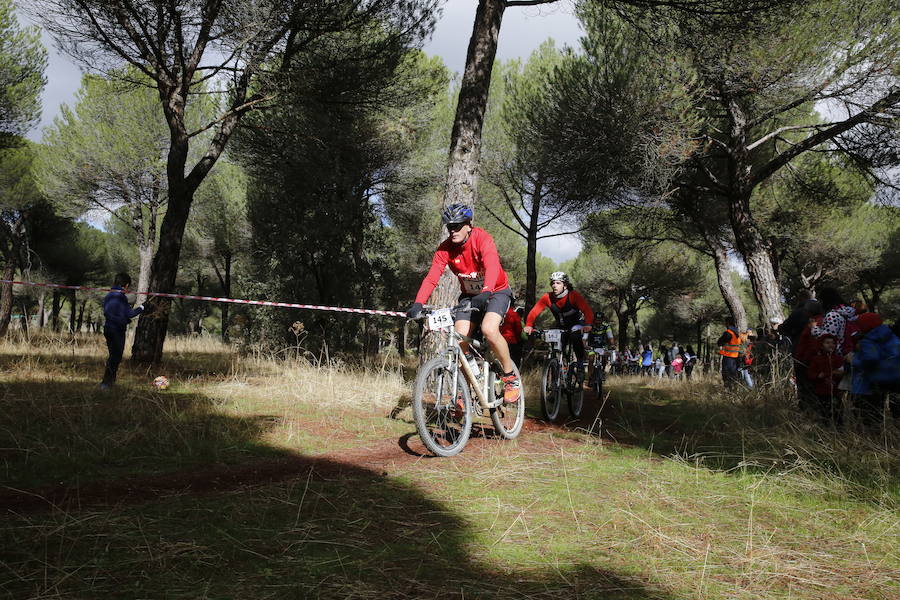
(597, 384)
(508, 418)
(440, 409)
(551, 389)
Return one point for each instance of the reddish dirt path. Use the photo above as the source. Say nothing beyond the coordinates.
(379, 458)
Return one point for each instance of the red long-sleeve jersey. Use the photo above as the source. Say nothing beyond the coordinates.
(576, 300)
(475, 263)
(511, 329)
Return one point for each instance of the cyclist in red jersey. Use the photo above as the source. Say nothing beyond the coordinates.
(471, 255)
(572, 312)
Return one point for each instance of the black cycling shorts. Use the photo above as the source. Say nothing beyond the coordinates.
(499, 303)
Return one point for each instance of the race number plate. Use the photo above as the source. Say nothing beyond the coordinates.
(553, 336)
(440, 319)
(473, 286)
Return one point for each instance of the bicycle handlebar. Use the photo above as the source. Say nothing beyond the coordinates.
(464, 306)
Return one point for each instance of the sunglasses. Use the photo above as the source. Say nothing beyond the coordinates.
(451, 227)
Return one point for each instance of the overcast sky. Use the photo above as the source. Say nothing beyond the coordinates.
(523, 30)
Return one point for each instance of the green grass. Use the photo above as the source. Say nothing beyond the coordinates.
(701, 496)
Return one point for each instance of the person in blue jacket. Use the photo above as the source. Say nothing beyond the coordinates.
(117, 313)
(875, 364)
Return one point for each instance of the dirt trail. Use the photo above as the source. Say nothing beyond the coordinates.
(380, 458)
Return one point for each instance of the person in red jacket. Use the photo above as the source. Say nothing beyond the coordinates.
(511, 330)
(824, 372)
(472, 256)
(572, 313)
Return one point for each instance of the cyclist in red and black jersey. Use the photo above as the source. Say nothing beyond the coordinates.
(472, 256)
(572, 313)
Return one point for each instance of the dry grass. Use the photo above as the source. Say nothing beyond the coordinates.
(706, 495)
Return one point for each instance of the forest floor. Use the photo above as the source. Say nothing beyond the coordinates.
(257, 477)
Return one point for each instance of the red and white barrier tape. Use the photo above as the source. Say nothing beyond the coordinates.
(361, 311)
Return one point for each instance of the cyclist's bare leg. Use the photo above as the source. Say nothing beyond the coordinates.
(464, 328)
(490, 327)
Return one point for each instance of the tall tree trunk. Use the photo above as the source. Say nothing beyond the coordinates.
(6, 297)
(54, 313)
(623, 330)
(699, 336)
(81, 315)
(145, 258)
(42, 320)
(748, 238)
(72, 309)
(401, 338)
(226, 289)
(755, 252)
(531, 256)
(151, 330)
(25, 318)
(726, 285)
(465, 139)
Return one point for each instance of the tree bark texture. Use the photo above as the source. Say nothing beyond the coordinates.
(54, 312)
(531, 256)
(226, 289)
(726, 285)
(6, 297)
(623, 330)
(72, 315)
(754, 249)
(748, 238)
(151, 330)
(145, 258)
(465, 139)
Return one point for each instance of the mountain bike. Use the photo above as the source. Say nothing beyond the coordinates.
(451, 391)
(598, 375)
(561, 376)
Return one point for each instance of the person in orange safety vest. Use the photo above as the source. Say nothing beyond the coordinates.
(730, 348)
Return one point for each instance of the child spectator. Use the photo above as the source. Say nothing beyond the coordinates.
(837, 314)
(824, 372)
(646, 362)
(678, 365)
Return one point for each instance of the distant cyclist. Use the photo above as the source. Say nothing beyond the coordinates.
(472, 256)
(571, 312)
(602, 341)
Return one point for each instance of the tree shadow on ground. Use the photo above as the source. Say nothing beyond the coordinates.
(147, 495)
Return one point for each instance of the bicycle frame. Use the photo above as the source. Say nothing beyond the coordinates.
(455, 353)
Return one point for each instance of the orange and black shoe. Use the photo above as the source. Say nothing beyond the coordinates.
(459, 409)
(511, 387)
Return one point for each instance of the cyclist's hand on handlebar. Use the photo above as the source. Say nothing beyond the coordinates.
(586, 328)
(528, 329)
(415, 311)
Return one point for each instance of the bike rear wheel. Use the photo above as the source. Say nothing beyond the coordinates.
(551, 390)
(575, 391)
(508, 418)
(441, 412)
